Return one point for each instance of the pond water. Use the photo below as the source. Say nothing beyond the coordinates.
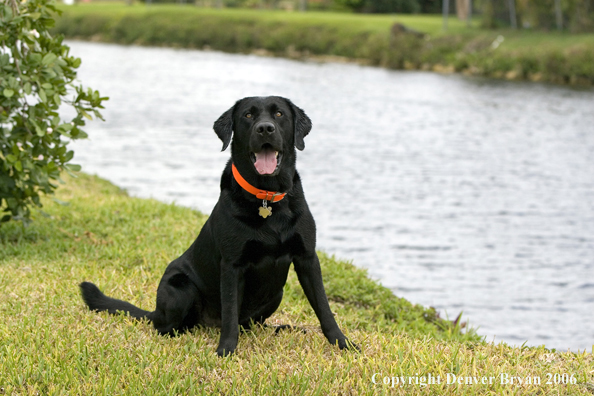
(459, 193)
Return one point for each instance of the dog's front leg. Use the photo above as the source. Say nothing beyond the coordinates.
(310, 276)
(231, 293)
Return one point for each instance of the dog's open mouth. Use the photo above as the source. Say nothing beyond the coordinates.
(267, 160)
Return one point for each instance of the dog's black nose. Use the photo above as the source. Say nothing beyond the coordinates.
(265, 127)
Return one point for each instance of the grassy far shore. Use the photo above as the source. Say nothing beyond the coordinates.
(516, 55)
(51, 344)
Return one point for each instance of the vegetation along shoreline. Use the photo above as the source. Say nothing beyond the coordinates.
(410, 42)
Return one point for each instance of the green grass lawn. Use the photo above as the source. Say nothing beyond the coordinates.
(376, 23)
(521, 55)
(356, 22)
(51, 344)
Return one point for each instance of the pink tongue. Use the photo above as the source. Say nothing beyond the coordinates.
(265, 161)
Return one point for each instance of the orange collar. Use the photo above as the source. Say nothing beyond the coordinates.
(260, 194)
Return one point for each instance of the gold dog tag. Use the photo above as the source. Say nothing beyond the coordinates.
(264, 210)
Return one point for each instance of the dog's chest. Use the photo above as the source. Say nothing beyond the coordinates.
(270, 251)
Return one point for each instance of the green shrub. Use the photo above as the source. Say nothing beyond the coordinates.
(37, 78)
(554, 65)
(405, 48)
(528, 64)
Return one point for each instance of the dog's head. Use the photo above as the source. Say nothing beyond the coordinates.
(264, 132)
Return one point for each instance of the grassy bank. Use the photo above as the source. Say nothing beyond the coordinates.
(537, 56)
(50, 343)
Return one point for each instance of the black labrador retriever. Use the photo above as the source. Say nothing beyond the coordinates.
(234, 272)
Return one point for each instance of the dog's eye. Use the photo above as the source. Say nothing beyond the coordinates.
(248, 115)
(279, 114)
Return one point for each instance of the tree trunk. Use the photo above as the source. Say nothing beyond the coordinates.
(446, 12)
(469, 14)
(559, 15)
(462, 9)
(512, 14)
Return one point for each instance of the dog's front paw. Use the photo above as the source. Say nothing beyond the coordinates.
(226, 349)
(347, 344)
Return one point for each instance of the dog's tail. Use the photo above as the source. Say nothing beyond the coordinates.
(97, 301)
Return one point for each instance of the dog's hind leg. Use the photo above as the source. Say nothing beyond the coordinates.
(179, 305)
(97, 301)
(279, 328)
(266, 312)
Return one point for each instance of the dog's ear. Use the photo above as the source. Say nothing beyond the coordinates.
(302, 125)
(224, 127)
